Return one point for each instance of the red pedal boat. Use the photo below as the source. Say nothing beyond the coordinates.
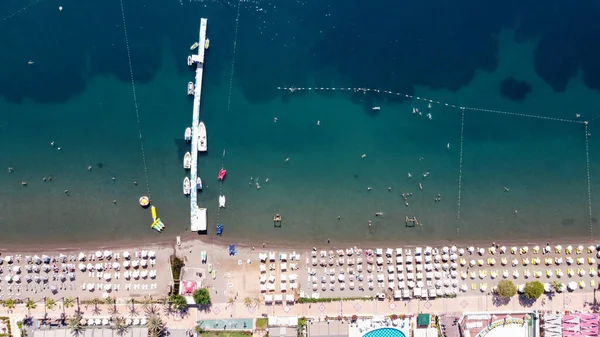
(222, 174)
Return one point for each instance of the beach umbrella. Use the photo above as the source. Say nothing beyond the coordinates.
(505, 273)
(61, 277)
(105, 321)
(153, 275)
(28, 258)
(82, 267)
(16, 269)
(142, 321)
(515, 273)
(37, 279)
(107, 276)
(8, 278)
(525, 249)
(107, 254)
(437, 258)
(83, 321)
(521, 288)
(53, 288)
(90, 286)
(8, 259)
(28, 278)
(144, 263)
(492, 250)
(152, 254)
(29, 268)
(471, 249)
(135, 263)
(445, 249)
(453, 249)
(90, 266)
(481, 251)
(45, 278)
(513, 250)
(37, 260)
(136, 321)
(453, 257)
(107, 286)
(492, 262)
(62, 257)
(71, 276)
(463, 287)
(525, 261)
(81, 257)
(16, 278)
(116, 266)
(98, 321)
(581, 284)
(144, 274)
(98, 254)
(581, 272)
(126, 255)
(445, 266)
(127, 275)
(99, 266)
(144, 254)
(547, 287)
(591, 260)
(1, 260)
(45, 258)
(461, 251)
(136, 274)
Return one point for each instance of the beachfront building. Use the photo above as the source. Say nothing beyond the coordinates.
(190, 280)
(499, 324)
(283, 326)
(571, 324)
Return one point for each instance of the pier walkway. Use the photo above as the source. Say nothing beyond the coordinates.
(197, 214)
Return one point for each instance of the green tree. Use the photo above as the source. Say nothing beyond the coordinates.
(248, 302)
(9, 304)
(201, 296)
(30, 305)
(556, 285)
(50, 304)
(120, 326)
(155, 325)
(256, 301)
(179, 302)
(506, 289)
(533, 290)
(75, 326)
(68, 302)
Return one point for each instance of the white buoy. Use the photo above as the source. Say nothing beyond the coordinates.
(60, 8)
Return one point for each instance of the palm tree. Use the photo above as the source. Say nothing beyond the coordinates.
(120, 326)
(146, 301)
(199, 328)
(9, 304)
(113, 311)
(67, 303)
(96, 303)
(155, 325)
(257, 302)
(230, 301)
(30, 305)
(132, 309)
(78, 308)
(151, 310)
(50, 304)
(248, 302)
(75, 326)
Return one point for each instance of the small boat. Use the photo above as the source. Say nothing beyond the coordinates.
(188, 134)
(158, 225)
(144, 201)
(219, 229)
(222, 174)
(153, 211)
(190, 62)
(187, 161)
(202, 143)
(206, 43)
(186, 186)
(190, 88)
(31, 62)
(221, 201)
(376, 108)
(194, 46)
(198, 183)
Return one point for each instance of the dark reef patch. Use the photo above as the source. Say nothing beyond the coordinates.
(514, 89)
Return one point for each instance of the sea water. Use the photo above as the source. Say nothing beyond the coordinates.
(324, 160)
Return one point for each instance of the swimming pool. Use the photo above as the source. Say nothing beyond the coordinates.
(385, 332)
(228, 324)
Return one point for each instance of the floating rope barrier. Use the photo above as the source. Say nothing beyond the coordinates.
(366, 90)
(20, 11)
(231, 73)
(135, 101)
(589, 182)
(460, 161)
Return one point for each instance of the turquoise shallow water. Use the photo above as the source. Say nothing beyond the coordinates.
(543, 162)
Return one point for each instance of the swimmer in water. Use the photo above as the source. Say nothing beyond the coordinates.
(275, 120)
(318, 123)
(364, 155)
(409, 175)
(287, 160)
(52, 143)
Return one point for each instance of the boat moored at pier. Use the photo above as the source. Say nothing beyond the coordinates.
(202, 142)
(190, 88)
(188, 134)
(186, 186)
(187, 160)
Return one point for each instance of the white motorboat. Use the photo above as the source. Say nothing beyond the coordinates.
(190, 62)
(202, 142)
(376, 108)
(221, 201)
(198, 183)
(188, 134)
(190, 88)
(194, 46)
(187, 161)
(186, 186)
(206, 43)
